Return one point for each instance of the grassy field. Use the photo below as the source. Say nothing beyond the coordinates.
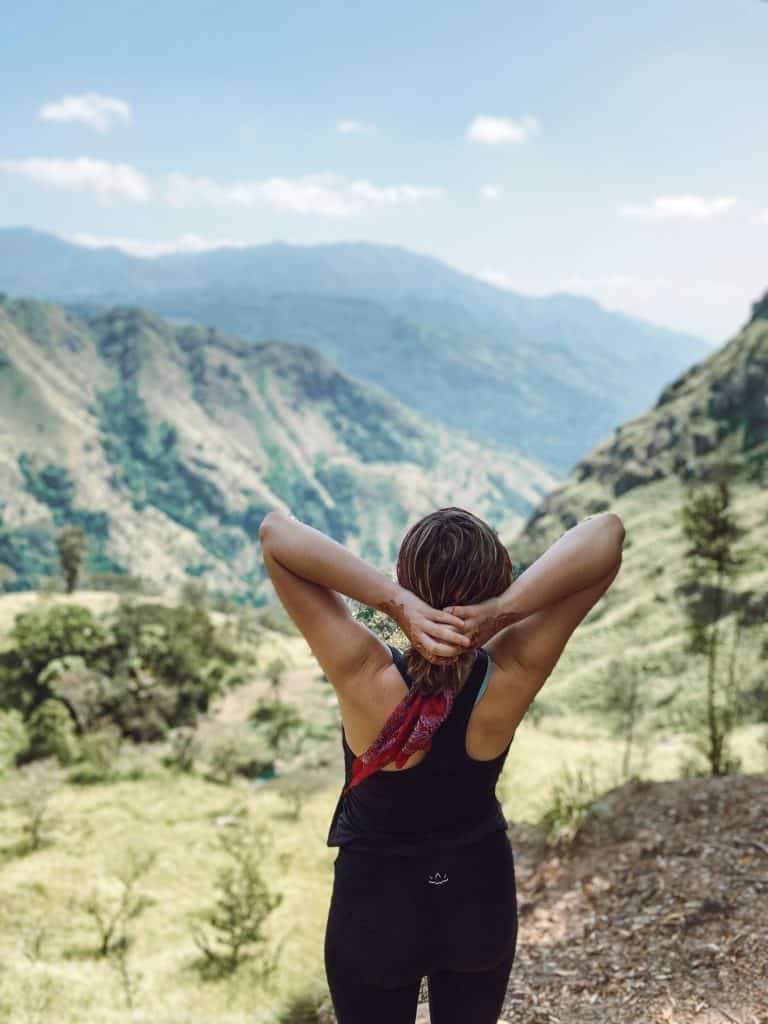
(42, 893)
(639, 625)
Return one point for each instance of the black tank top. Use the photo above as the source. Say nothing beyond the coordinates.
(447, 800)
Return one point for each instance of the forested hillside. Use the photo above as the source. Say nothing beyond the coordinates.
(168, 445)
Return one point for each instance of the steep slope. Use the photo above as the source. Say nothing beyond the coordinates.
(716, 411)
(169, 444)
(548, 376)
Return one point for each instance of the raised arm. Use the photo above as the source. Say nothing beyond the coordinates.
(310, 571)
(578, 562)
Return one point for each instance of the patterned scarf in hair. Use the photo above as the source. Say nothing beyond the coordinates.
(409, 728)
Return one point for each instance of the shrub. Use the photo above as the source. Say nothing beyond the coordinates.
(99, 753)
(184, 748)
(14, 739)
(51, 733)
(275, 721)
(238, 755)
(243, 905)
(570, 804)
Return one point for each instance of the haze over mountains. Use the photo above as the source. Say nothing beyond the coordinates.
(547, 377)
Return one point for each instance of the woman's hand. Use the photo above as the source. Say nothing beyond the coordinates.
(437, 635)
(481, 621)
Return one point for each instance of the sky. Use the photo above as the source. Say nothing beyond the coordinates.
(614, 150)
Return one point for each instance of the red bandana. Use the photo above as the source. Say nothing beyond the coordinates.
(410, 727)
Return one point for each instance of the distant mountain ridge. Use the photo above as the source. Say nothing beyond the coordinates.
(549, 377)
(168, 445)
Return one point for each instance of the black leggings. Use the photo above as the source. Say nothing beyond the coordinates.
(449, 917)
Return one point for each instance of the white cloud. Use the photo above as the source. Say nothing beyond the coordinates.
(326, 195)
(764, 217)
(490, 191)
(496, 131)
(147, 248)
(107, 180)
(356, 127)
(91, 108)
(608, 285)
(611, 283)
(687, 207)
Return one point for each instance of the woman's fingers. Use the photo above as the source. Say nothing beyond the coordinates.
(446, 615)
(449, 634)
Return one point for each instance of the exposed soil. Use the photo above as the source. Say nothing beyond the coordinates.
(657, 912)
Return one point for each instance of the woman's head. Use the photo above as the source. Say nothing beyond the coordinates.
(450, 557)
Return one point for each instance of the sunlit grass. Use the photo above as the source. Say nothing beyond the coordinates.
(175, 816)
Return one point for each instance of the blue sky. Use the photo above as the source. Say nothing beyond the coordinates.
(612, 149)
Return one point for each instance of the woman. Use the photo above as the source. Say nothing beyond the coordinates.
(424, 878)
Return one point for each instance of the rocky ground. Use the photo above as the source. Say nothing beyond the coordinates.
(657, 913)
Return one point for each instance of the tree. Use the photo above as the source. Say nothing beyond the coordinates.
(274, 673)
(243, 905)
(711, 531)
(70, 543)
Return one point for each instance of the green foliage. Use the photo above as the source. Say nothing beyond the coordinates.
(275, 721)
(183, 750)
(711, 532)
(29, 552)
(52, 486)
(236, 754)
(99, 754)
(112, 913)
(311, 1006)
(70, 543)
(274, 673)
(233, 928)
(51, 733)
(118, 583)
(382, 625)
(14, 739)
(32, 791)
(38, 637)
(176, 647)
(147, 668)
(570, 804)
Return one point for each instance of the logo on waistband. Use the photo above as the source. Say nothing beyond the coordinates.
(437, 879)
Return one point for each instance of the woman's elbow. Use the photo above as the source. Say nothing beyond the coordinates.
(266, 527)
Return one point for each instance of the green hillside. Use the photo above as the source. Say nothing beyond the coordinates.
(168, 445)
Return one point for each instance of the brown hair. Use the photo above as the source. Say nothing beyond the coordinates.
(450, 557)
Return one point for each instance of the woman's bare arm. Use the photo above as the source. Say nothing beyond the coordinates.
(580, 557)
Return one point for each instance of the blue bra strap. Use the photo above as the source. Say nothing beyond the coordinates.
(486, 677)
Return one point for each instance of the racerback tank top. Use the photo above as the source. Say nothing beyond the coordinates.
(447, 800)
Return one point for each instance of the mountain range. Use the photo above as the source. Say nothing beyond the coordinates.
(548, 377)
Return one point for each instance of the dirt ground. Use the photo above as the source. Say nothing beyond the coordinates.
(657, 913)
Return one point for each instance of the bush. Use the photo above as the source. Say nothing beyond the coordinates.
(99, 754)
(307, 1007)
(51, 733)
(14, 739)
(275, 721)
(571, 803)
(40, 636)
(184, 748)
(238, 755)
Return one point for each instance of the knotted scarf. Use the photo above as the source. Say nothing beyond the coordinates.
(409, 728)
